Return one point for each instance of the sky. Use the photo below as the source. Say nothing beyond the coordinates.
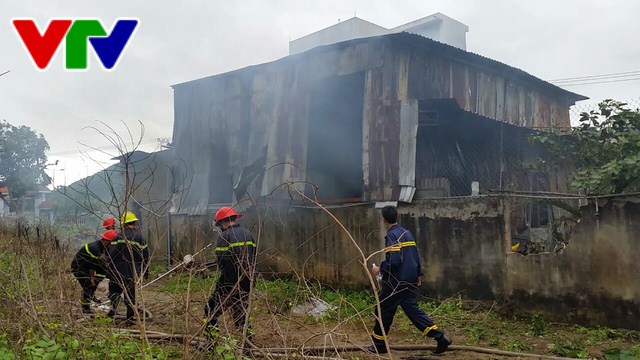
(177, 41)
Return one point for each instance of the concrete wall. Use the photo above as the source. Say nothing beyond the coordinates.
(438, 27)
(353, 28)
(594, 280)
(461, 244)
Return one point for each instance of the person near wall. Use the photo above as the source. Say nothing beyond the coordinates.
(128, 261)
(401, 273)
(87, 266)
(235, 255)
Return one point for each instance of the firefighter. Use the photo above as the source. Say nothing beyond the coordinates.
(235, 254)
(87, 266)
(128, 260)
(109, 223)
(401, 274)
(101, 273)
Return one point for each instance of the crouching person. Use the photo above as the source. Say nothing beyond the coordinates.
(401, 272)
(235, 254)
(87, 266)
(128, 261)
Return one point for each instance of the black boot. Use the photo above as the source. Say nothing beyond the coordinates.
(86, 309)
(376, 349)
(112, 313)
(443, 344)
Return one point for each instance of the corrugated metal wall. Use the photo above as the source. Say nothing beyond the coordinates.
(225, 122)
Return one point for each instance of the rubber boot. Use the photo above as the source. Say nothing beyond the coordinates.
(443, 344)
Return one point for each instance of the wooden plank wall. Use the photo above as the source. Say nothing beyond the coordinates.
(483, 92)
(226, 122)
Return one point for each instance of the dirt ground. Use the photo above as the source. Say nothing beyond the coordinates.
(181, 314)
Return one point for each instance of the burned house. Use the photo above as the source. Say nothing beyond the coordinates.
(395, 117)
(391, 118)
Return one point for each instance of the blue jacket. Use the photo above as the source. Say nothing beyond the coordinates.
(402, 262)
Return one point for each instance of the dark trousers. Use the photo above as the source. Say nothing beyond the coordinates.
(234, 297)
(88, 290)
(118, 287)
(405, 296)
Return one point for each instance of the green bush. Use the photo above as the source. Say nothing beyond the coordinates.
(538, 326)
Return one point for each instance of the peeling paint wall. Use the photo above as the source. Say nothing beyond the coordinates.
(461, 242)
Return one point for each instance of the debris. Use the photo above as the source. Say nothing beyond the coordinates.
(314, 307)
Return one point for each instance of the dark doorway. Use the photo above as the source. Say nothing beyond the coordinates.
(334, 153)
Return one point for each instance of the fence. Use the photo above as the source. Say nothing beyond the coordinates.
(576, 110)
(456, 157)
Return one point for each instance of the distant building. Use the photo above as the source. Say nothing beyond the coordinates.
(6, 209)
(438, 27)
(36, 206)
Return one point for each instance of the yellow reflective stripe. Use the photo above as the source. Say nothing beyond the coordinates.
(399, 246)
(100, 275)
(426, 331)
(377, 336)
(86, 248)
(226, 248)
(142, 247)
(83, 303)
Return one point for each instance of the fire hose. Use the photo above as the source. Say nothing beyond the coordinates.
(187, 260)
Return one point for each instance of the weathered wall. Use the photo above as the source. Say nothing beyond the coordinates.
(461, 245)
(226, 122)
(594, 280)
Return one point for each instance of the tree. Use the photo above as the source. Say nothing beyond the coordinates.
(22, 160)
(604, 149)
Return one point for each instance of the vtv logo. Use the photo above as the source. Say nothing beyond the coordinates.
(43, 46)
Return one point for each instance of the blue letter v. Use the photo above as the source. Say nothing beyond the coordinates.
(110, 48)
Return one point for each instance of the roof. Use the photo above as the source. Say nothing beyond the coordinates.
(47, 204)
(423, 43)
(139, 155)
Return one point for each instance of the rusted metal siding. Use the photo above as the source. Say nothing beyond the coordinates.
(484, 92)
(288, 135)
(226, 122)
(381, 129)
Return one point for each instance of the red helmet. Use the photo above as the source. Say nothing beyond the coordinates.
(226, 212)
(108, 222)
(109, 235)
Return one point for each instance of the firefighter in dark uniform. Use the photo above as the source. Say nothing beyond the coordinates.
(128, 260)
(235, 254)
(87, 266)
(401, 274)
(109, 223)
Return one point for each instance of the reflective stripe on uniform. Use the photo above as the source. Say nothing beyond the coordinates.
(378, 337)
(83, 303)
(100, 275)
(426, 331)
(399, 246)
(86, 248)
(142, 247)
(226, 248)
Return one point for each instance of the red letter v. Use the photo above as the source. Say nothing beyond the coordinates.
(42, 47)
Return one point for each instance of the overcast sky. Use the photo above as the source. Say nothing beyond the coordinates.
(178, 41)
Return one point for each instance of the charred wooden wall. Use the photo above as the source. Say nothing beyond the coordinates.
(226, 122)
